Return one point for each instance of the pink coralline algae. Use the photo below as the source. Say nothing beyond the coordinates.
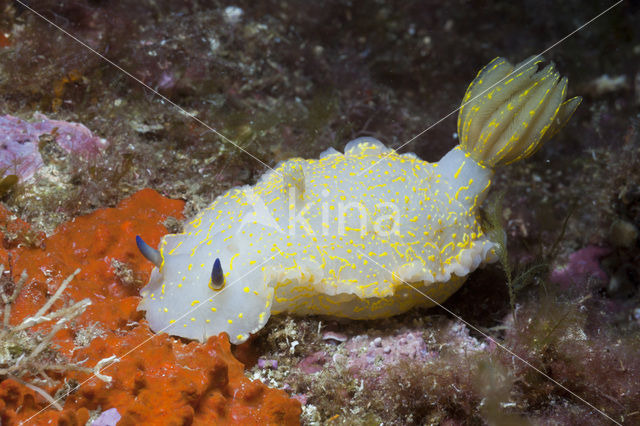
(582, 265)
(368, 353)
(314, 362)
(363, 353)
(19, 140)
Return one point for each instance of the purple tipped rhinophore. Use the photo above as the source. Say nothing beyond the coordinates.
(147, 251)
(217, 276)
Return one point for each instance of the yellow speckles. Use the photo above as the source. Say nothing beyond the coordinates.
(231, 261)
(175, 248)
(195, 302)
(371, 227)
(457, 173)
(193, 319)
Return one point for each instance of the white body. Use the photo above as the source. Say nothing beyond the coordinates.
(341, 236)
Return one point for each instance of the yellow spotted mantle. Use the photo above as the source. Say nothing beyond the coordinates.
(351, 233)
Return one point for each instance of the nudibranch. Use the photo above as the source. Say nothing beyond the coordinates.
(352, 234)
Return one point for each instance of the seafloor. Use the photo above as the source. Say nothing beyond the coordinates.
(288, 79)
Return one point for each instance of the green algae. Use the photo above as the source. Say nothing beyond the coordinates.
(7, 184)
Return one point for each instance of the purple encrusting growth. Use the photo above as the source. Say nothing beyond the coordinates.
(364, 354)
(581, 266)
(19, 151)
(108, 417)
(268, 363)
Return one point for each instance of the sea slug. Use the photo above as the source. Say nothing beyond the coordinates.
(345, 234)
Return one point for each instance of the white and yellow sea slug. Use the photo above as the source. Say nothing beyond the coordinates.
(351, 233)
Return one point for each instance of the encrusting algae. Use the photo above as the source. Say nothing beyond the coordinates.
(356, 234)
